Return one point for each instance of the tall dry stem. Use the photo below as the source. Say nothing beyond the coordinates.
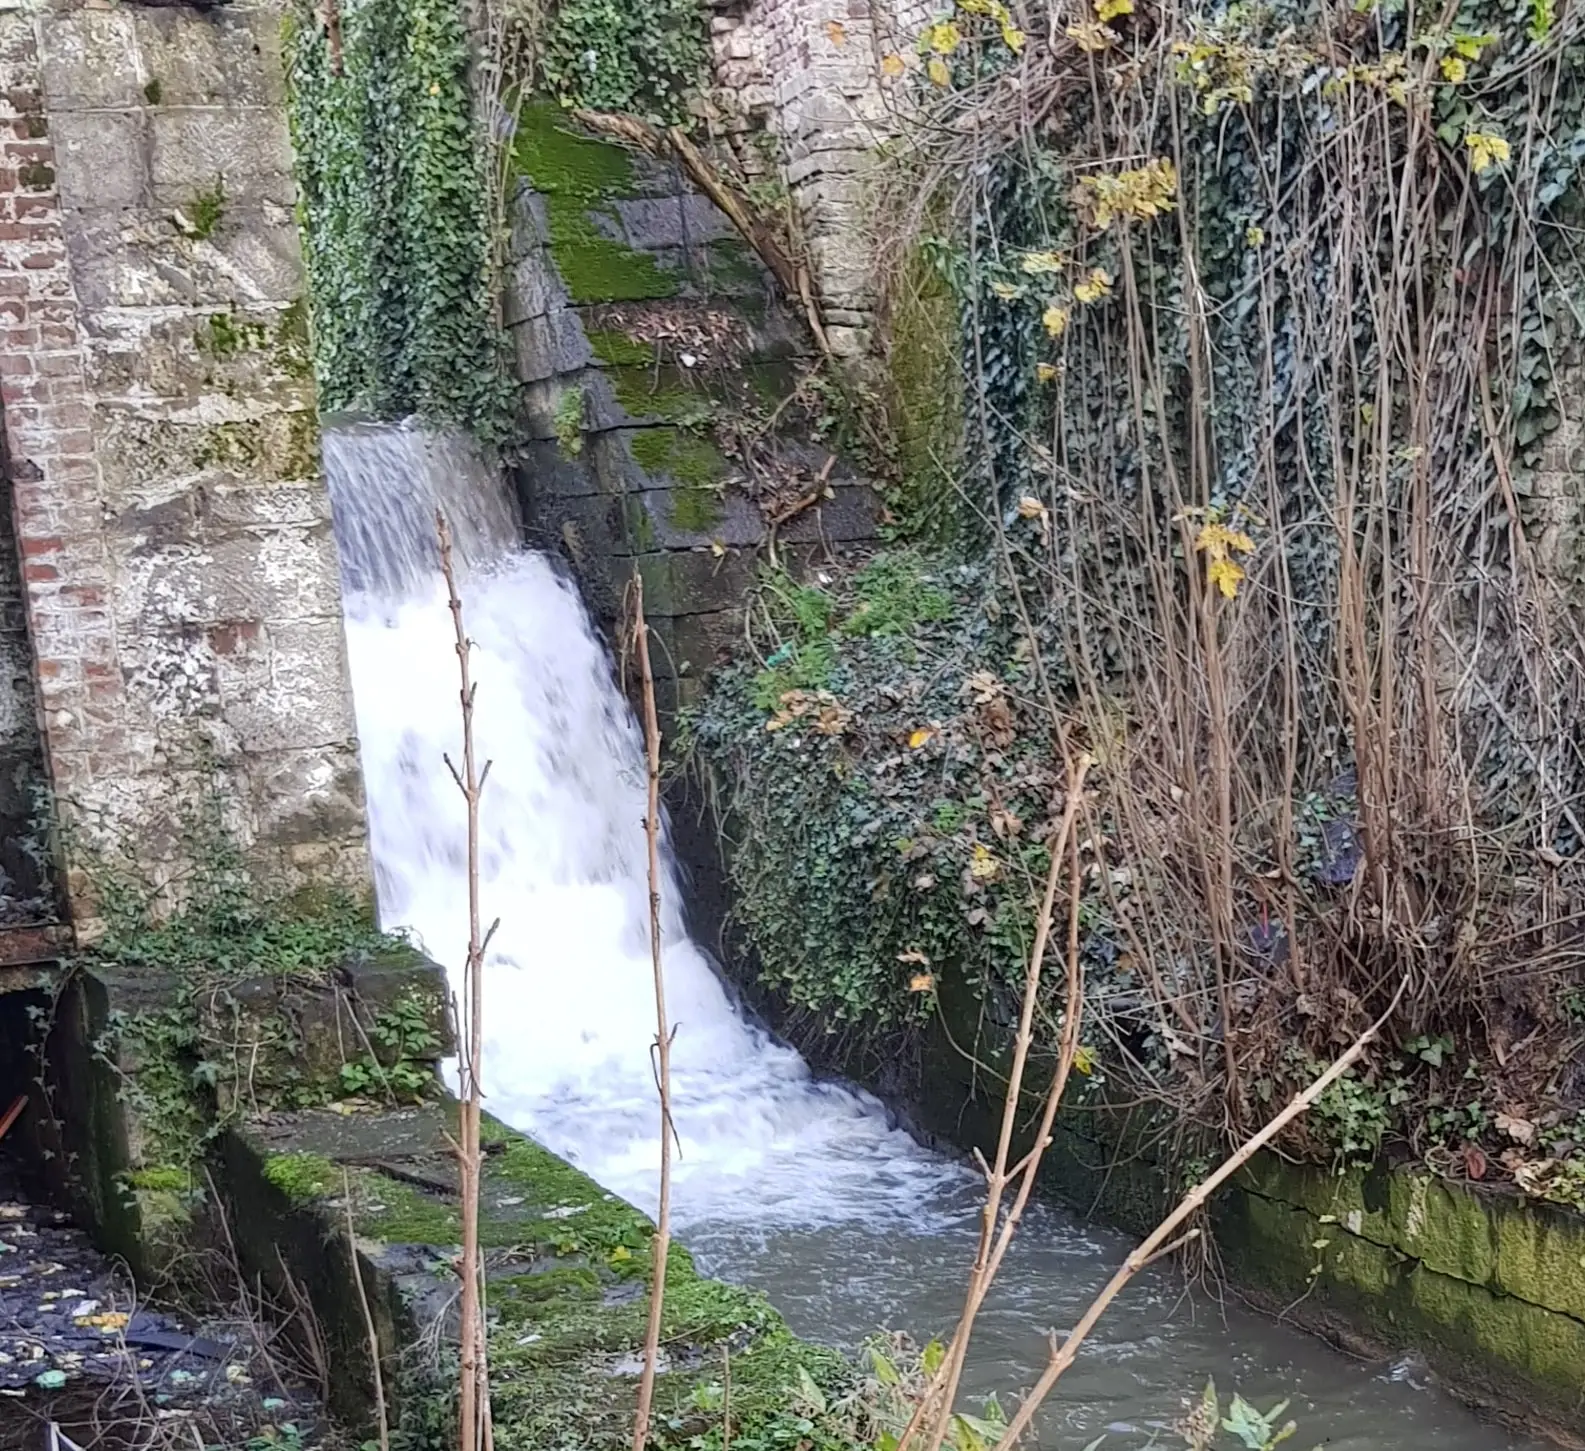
(1160, 1241)
(996, 1232)
(473, 1386)
(662, 1049)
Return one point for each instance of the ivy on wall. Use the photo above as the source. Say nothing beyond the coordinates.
(643, 59)
(395, 216)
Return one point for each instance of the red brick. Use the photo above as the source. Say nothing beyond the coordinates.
(42, 261)
(34, 546)
(48, 669)
(33, 572)
(19, 337)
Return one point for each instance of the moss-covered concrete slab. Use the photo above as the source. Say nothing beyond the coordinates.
(568, 1269)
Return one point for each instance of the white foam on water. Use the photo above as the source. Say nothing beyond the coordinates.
(569, 1004)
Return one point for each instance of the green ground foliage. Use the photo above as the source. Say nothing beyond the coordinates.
(208, 1045)
(395, 212)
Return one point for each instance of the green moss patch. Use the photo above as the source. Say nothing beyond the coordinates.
(618, 349)
(577, 176)
(302, 1178)
(681, 455)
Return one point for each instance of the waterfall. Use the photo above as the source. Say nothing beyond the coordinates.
(569, 1006)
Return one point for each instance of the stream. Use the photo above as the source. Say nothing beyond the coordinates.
(804, 1189)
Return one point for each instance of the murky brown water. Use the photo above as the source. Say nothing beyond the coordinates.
(1155, 1347)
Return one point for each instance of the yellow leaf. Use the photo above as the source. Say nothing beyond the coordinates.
(982, 865)
(1095, 286)
(944, 37)
(938, 72)
(1454, 68)
(1254, 236)
(1217, 539)
(1225, 575)
(1091, 35)
(1084, 1061)
(717, 548)
(1040, 262)
(1030, 507)
(1006, 291)
(892, 65)
(1045, 372)
(1013, 38)
(1485, 148)
(621, 1253)
(922, 982)
(920, 737)
(837, 31)
(1106, 10)
(1056, 319)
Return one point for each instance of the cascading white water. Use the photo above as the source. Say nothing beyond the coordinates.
(801, 1187)
(569, 1009)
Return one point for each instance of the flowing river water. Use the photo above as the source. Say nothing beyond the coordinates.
(802, 1188)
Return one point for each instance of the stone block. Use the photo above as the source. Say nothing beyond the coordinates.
(532, 289)
(314, 799)
(289, 574)
(89, 62)
(229, 56)
(142, 259)
(282, 1042)
(102, 159)
(550, 346)
(147, 354)
(1540, 1255)
(245, 150)
(142, 453)
(1443, 1226)
(695, 582)
(281, 683)
(652, 224)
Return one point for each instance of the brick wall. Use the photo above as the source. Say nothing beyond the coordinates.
(178, 568)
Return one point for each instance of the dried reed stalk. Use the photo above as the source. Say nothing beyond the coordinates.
(473, 1386)
(662, 1048)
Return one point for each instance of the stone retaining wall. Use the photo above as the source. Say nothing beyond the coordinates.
(179, 573)
(643, 326)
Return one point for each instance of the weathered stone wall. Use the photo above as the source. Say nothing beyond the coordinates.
(810, 74)
(180, 576)
(643, 327)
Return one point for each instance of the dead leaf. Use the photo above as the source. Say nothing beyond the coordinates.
(837, 31)
(1474, 1162)
(914, 955)
(1519, 1129)
(892, 65)
(922, 982)
(920, 737)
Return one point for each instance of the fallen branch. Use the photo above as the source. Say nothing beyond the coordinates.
(662, 1241)
(1160, 1240)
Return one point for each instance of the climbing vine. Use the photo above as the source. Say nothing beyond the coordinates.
(647, 59)
(396, 218)
(1270, 326)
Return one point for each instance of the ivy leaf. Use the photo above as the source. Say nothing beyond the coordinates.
(1106, 10)
(1056, 318)
(1486, 148)
(938, 72)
